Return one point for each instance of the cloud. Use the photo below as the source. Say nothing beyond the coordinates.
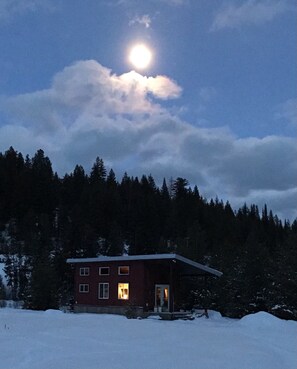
(250, 12)
(163, 87)
(176, 2)
(283, 202)
(12, 8)
(207, 93)
(144, 20)
(89, 88)
(288, 111)
(256, 164)
(89, 111)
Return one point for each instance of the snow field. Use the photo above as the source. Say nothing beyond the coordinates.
(54, 340)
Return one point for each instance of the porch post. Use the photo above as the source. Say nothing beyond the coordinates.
(171, 292)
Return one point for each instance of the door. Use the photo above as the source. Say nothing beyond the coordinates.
(162, 297)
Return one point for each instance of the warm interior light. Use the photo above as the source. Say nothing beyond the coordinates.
(166, 294)
(123, 291)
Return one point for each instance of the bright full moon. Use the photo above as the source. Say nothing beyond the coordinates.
(140, 56)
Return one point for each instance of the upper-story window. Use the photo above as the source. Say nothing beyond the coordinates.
(84, 271)
(124, 270)
(103, 270)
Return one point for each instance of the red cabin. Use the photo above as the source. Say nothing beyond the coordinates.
(148, 283)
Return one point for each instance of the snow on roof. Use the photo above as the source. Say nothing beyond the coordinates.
(146, 257)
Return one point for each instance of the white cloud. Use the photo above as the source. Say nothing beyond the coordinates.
(250, 12)
(12, 8)
(88, 111)
(176, 2)
(144, 20)
(288, 111)
(163, 87)
(89, 88)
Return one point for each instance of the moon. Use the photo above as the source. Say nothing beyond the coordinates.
(140, 56)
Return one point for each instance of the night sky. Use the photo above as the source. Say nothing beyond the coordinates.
(217, 104)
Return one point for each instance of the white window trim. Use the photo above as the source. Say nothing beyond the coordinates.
(84, 271)
(103, 298)
(104, 268)
(82, 288)
(123, 266)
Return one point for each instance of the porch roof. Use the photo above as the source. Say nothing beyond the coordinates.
(189, 266)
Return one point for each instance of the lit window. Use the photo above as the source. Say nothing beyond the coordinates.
(103, 291)
(123, 291)
(103, 270)
(123, 270)
(84, 271)
(83, 288)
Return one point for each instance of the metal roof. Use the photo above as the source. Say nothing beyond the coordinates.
(177, 257)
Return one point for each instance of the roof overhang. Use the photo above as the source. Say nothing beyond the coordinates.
(191, 266)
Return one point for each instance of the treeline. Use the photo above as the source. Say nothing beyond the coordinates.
(45, 219)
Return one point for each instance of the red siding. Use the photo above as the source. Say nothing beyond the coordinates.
(142, 278)
(135, 280)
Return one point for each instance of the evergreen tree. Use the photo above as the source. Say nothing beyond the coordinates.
(2, 289)
(98, 172)
(42, 289)
(43, 200)
(45, 219)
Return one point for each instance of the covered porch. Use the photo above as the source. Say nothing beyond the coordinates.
(168, 295)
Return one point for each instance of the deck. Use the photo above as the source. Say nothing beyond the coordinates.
(166, 315)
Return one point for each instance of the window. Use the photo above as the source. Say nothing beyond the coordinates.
(123, 270)
(103, 270)
(123, 291)
(103, 291)
(84, 271)
(83, 288)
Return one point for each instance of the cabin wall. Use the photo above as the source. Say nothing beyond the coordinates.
(91, 298)
(142, 278)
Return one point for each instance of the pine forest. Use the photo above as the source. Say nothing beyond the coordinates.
(45, 219)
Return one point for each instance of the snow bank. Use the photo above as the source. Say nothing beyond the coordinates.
(261, 319)
(53, 312)
(214, 315)
(52, 340)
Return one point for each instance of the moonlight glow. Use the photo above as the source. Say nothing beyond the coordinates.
(140, 56)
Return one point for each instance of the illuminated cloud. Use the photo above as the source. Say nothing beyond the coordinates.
(88, 111)
(144, 20)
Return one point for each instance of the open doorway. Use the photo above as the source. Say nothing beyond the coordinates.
(162, 297)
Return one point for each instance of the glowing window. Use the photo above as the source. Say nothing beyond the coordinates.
(124, 270)
(123, 291)
(103, 270)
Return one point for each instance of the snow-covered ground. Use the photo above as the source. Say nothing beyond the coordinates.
(53, 339)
